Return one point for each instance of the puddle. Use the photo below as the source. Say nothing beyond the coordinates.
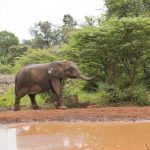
(77, 136)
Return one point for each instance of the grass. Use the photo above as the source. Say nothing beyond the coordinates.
(92, 98)
(101, 98)
(7, 99)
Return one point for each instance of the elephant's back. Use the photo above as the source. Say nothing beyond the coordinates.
(32, 74)
(35, 66)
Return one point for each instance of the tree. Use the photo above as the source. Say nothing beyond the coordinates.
(146, 69)
(14, 52)
(7, 39)
(57, 36)
(42, 34)
(34, 56)
(66, 32)
(45, 35)
(127, 8)
(90, 20)
(68, 27)
(116, 49)
(27, 42)
(69, 21)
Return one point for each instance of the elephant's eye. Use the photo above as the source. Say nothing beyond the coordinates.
(72, 69)
(67, 70)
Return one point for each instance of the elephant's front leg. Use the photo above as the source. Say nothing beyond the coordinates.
(57, 89)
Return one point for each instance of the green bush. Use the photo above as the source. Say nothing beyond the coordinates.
(107, 94)
(73, 87)
(5, 69)
(76, 88)
(137, 95)
(34, 56)
(3, 59)
(15, 51)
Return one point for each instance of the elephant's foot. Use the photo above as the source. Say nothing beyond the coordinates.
(36, 107)
(16, 108)
(61, 107)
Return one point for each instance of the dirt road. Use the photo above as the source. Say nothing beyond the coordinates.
(78, 114)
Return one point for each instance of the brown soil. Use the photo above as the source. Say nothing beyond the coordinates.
(132, 113)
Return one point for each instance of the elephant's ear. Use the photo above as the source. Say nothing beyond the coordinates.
(56, 69)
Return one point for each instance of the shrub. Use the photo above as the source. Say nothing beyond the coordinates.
(76, 88)
(5, 69)
(137, 95)
(3, 59)
(15, 51)
(34, 56)
(73, 87)
(133, 95)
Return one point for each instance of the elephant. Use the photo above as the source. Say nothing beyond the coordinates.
(37, 78)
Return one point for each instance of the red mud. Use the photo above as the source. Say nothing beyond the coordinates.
(131, 113)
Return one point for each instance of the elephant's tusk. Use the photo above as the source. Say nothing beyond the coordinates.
(50, 70)
(86, 78)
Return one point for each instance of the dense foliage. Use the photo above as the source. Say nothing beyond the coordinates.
(34, 56)
(127, 8)
(117, 49)
(7, 39)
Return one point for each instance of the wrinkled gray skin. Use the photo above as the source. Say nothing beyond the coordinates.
(38, 78)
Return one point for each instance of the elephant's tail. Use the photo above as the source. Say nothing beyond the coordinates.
(16, 86)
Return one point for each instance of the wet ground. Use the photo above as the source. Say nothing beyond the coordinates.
(77, 114)
(76, 136)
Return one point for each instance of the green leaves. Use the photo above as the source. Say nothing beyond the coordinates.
(45, 35)
(127, 8)
(115, 49)
(34, 56)
(7, 39)
(69, 21)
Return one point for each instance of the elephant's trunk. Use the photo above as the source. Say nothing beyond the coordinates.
(82, 77)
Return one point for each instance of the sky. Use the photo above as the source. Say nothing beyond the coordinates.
(17, 16)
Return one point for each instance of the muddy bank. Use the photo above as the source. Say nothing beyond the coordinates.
(78, 114)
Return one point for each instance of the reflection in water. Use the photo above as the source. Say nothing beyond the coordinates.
(8, 139)
(78, 136)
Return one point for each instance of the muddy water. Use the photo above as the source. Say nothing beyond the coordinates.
(77, 136)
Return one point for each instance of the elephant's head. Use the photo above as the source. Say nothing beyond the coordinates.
(66, 69)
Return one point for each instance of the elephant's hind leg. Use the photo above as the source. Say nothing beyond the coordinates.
(33, 101)
(18, 95)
